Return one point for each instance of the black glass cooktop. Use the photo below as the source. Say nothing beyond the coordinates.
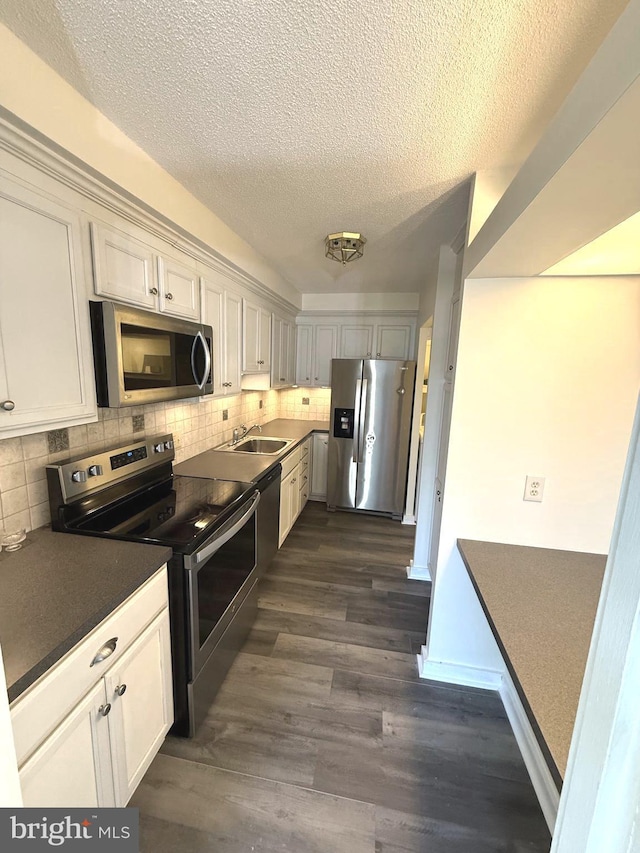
(181, 512)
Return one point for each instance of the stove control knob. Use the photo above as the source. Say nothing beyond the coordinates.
(168, 445)
(95, 470)
(79, 476)
(158, 448)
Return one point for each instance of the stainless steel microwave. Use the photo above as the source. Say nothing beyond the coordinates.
(141, 357)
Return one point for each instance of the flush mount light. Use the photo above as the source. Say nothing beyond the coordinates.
(344, 247)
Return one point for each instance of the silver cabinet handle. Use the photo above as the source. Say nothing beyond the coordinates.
(103, 710)
(307, 378)
(106, 651)
(378, 354)
(368, 355)
(154, 291)
(169, 296)
(282, 379)
(8, 405)
(121, 689)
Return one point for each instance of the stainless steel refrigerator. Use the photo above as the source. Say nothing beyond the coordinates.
(371, 405)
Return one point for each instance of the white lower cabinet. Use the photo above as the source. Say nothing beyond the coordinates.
(71, 768)
(294, 487)
(319, 467)
(103, 744)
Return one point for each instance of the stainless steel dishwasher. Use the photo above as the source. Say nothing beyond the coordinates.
(268, 517)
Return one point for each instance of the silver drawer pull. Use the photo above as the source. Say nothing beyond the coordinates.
(8, 405)
(103, 710)
(106, 651)
(169, 296)
(121, 689)
(154, 291)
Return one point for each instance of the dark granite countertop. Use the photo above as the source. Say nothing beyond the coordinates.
(58, 587)
(246, 467)
(541, 605)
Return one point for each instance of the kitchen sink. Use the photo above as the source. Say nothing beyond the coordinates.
(267, 446)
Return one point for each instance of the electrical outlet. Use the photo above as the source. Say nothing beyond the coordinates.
(533, 488)
(260, 404)
(225, 414)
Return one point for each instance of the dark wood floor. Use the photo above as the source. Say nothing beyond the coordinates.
(323, 739)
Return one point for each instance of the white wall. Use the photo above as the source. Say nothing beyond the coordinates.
(337, 302)
(40, 97)
(546, 384)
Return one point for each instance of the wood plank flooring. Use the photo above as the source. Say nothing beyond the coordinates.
(323, 739)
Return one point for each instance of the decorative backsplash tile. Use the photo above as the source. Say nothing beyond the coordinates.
(197, 425)
(58, 440)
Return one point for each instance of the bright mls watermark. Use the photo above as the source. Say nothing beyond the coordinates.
(114, 830)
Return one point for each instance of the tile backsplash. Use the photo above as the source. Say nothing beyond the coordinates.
(196, 425)
(316, 409)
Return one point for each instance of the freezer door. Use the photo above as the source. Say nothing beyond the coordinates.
(383, 441)
(346, 396)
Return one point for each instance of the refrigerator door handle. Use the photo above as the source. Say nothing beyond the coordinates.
(362, 420)
(356, 420)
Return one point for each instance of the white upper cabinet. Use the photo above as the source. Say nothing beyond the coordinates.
(388, 338)
(222, 310)
(128, 270)
(256, 338)
(46, 364)
(394, 340)
(123, 268)
(317, 346)
(282, 352)
(356, 341)
(178, 289)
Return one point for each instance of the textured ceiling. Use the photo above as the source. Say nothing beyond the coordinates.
(291, 120)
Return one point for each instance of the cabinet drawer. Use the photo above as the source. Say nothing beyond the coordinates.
(304, 449)
(290, 461)
(38, 712)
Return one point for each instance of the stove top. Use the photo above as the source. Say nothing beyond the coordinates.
(180, 512)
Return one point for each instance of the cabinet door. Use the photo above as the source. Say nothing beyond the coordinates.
(264, 341)
(139, 688)
(356, 341)
(250, 337)
(232, 343)
(212, 315)
(393, 341)
(123, 268)
(325, 349)
(304, 355)
(72, 768)
(286, 343)
(319, 467)
(46, 364)
(179, 291)
(277, 380)
(286, 495)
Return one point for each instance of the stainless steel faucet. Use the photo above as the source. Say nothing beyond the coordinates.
(238, 436)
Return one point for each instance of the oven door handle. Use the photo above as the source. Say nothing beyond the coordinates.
(227, 534)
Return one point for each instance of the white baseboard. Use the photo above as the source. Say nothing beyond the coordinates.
(535, 762)
(408, 519)
(451, 673)
(418, 573)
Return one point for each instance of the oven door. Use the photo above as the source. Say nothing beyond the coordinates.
(219, 576)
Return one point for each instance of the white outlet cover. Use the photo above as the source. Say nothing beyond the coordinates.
(533, 488)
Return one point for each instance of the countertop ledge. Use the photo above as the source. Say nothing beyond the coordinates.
(541, 605)
(245, 467)
(56, 589)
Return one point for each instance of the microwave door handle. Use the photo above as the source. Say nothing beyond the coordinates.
(207, 360)
(219, 541)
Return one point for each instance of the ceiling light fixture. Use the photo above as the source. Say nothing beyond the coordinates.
(344, 246)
